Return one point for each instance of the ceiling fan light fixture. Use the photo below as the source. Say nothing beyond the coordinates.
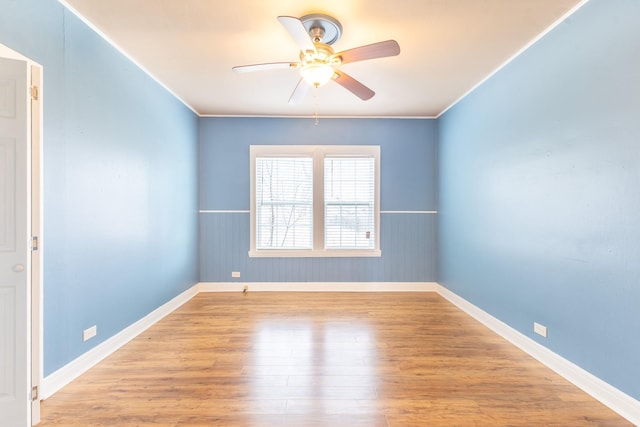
(317, 73)
(319, 64)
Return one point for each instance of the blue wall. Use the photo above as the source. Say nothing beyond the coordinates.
(538, 189)
(120, 181)
(408, 184)
(539, 192)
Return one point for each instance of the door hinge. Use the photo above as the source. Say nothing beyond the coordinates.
(34, 393)
(34, 93)
(34, 243)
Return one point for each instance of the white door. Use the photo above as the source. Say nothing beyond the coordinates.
(14, 249)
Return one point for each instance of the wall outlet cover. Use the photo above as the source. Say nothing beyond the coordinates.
(540, 329)
(89, 333)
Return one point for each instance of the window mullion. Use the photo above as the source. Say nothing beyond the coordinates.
(318, 200)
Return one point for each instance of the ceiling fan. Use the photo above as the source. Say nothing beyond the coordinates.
(314, 34)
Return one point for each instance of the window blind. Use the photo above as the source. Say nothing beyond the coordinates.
(284, 202)
(349, 202)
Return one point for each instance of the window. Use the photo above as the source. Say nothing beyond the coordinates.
(284, 202)
(349, 202)
(315, 201)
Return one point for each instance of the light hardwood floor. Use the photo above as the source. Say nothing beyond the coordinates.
(321, 359)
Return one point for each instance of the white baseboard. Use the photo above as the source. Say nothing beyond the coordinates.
(319, 286)
(63, 376)
(618, 401)
(610, 396)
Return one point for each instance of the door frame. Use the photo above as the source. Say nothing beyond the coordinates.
(34, 223)
(37, 239)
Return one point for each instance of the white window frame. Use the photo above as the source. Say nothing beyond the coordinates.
(318, 152)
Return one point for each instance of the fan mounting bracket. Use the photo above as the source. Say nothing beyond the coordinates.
(322, 28)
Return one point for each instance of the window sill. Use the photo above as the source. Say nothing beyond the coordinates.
(345, 253)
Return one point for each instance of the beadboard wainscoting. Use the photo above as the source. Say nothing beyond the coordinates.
(408, 242)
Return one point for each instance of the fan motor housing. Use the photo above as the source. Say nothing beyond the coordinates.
(323, 53)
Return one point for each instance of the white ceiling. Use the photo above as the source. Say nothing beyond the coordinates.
(447, 48)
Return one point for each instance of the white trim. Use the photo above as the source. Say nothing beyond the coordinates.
(618, 401)
(248, 211)
(224, 211)
(37, 217)
(308, 117)
(517, 54)
(319, 286)
(63, 376)
(315, 253)
(408, 212)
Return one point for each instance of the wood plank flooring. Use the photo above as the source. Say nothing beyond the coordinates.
(321, 359)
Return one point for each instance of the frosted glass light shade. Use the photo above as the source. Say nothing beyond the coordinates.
(317, 74)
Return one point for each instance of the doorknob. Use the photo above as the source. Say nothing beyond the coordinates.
(18, 268)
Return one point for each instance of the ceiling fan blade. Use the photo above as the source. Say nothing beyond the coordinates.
(370, 51)
(262, 67)
(298, 32)
(354, 86)
(299, 92)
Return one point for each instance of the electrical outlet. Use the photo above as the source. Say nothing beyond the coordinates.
(89, 333)
(540, 329)
(235, 274)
